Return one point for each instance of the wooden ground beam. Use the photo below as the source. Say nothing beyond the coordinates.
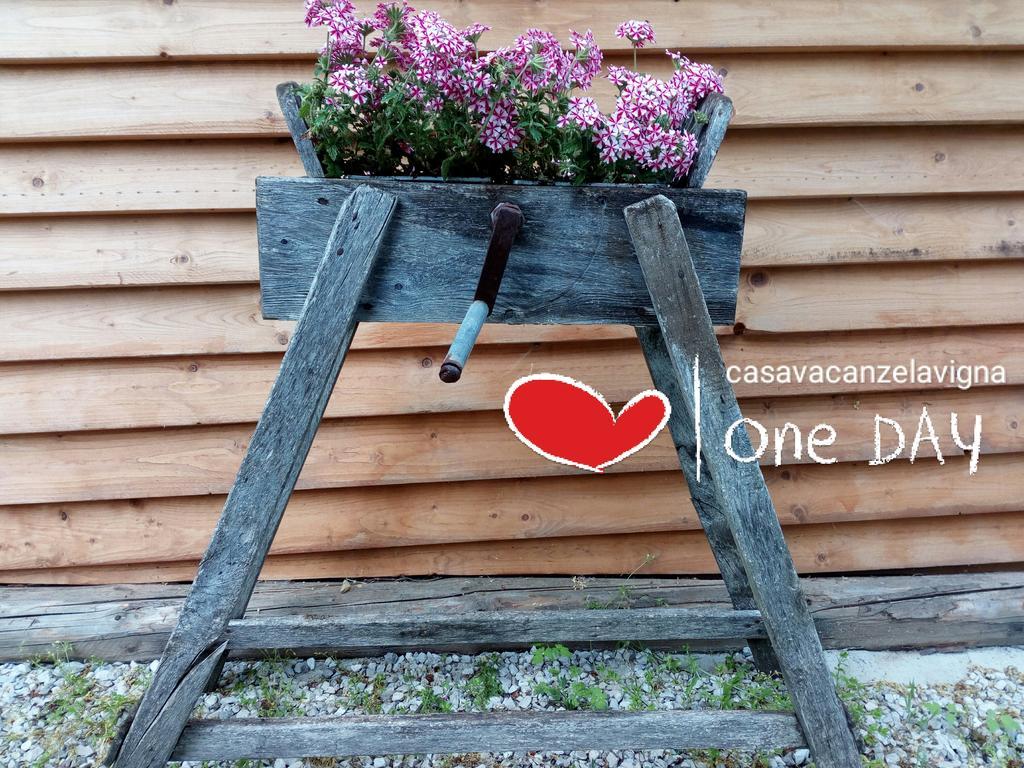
(277, 451)
(936, 611)
(495, 627)
(271, 738)
(739, 488)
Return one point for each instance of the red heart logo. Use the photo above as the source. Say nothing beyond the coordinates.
(566, 421)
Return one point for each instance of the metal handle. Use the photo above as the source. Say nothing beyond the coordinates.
(506, 221)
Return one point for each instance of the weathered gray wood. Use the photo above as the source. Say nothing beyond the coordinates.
(739, 488)
(276, 453)
(493, 628)
(719, 111)
(152, 750)
(703, 496)
(132, 621)
(289, 101)
(486, 732)
(572, 262)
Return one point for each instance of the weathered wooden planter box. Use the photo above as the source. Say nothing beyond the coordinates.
(573, 261)
(665, 260)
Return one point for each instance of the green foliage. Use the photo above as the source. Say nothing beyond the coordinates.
(79, 709)
(623, 599)
(636, 696)
(353, 142)
(853, 692)
(742, 689)
(1001, 729)
(267, 689)
(569, 688)
(430, 702)
(371, 699)
(543, 654)
(573, 694)
(485, 683)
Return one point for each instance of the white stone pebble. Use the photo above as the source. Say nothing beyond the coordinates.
(56, 715)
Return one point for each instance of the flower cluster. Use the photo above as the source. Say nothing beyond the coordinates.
(405, 92)
(639, 33)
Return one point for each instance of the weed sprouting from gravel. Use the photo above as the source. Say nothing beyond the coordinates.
(59, 713)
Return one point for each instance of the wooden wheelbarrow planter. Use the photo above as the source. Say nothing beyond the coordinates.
(334, 252)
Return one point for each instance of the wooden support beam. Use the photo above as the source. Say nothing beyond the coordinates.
(718, 110)
(739, 489)
(708, 509)
(501, 628)
(486, 732)
(271, 466)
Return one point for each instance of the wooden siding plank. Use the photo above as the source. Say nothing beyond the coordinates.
(862, 296)
(151, 101)
(236, 99)
(200, 249)
(450, 446)
(139, 176)
(172, 529)
(201, 175)
(834, 162)
(890, 88)
(882, 230)
(107, 251)
(836, 548)
(140, 322)
(70, 396)
(212, 319)
(136, 29)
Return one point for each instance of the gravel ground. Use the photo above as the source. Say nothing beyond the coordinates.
(62, 713)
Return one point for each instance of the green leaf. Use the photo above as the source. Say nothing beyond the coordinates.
(1009, 725)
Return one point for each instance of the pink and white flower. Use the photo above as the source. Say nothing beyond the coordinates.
(351, 81)
(639, 33)
(583, 112)
(500, 132)
(417, 59)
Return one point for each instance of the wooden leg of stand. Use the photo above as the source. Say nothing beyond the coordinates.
(739, 488)
(711, 516)
(277, 451)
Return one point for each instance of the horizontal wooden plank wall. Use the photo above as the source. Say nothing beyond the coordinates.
(882, 153)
